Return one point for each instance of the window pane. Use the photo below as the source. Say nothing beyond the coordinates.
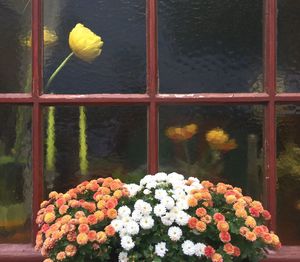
(288, 173)
(15, 174)
(210, 46)
(83, 143)
(288, 74)
(121, 67)
(15, 46)
(217, 143)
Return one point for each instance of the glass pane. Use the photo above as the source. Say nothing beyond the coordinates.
(210, 46)
(15, 46)
(121, 67)
(288, 71)
(83, 143)
(217, 143)
(288, 173)
(15, 174)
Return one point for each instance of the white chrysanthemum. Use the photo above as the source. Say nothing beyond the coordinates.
(175, 233)
(178, 193)
(127, 243)
(147, 222)
(188, 248)
(160, 194)
(151, 185)
(146, 191)
(126, 220)
(146, 179)
(145, 208)
(177, 184)
(175, 177)
(133, 189)
(182, 218)
(132, 228)
(138, 204)
(199, 249)
(124, 211)
(168, 202)
(123, 232)
(123, 257)
(160, 210)
(136, 215)
(160, 176)
(182, 204)
(161, 249)
(168, 219)
(174, 211)
(117, 224)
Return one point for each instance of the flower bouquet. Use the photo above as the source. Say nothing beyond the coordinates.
(163, 218)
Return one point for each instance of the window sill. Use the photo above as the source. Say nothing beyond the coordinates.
(26, 253)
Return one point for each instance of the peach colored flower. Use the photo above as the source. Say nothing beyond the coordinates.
(99, 215)
(244, 230)
(70, 250)
(206, 219)
(112, 213)
(101, 237)
(230, 199)
(218, 217)
(49, 217)
(225, 237)
(237, 252)
(82, 238)
(266, 215)
(201, 226)
(192, 202)
(229, 248)
(241, 212)
(83, 228)
(200, 212)
(63, 209)
(111, 203)
(192, 222)
(71, 236)
(267, 238)
(250, 222)
(223, 226)
(209, 251)
(250, 236)
(118, 194)
(109, 230)
(61, 256)
(92, 235)
(216, 258)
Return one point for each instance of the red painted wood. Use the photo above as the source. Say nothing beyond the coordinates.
(287, 97)
(212, 98)
(37, 151)
(16, 98)
(270, 20)
(152, 86)
(94, 99)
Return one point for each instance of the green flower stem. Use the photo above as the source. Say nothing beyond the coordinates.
(50, 157)
(82, 141)
(58, 69)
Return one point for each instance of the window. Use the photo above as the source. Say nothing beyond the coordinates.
(164, 64)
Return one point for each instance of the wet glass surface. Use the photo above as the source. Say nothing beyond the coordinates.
(83, 143)
(288, 174)
(215, 143)
(15, 174)
(288, 69)
(121, 67)
(15, 46)
(210, 46)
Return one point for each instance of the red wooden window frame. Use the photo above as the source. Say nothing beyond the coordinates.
(153, 99)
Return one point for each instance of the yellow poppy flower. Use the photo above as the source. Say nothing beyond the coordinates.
(179, 134)
(219, 139)
(85, 44)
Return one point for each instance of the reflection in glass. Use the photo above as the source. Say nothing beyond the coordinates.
(83, 143)
(121, 67)
(216, 143)
(288, 74)
(15, 174)
(15, 46)
(210, 46)
(288, 174)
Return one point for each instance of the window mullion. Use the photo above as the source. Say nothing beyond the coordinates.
(270, 23)
(37, 110)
